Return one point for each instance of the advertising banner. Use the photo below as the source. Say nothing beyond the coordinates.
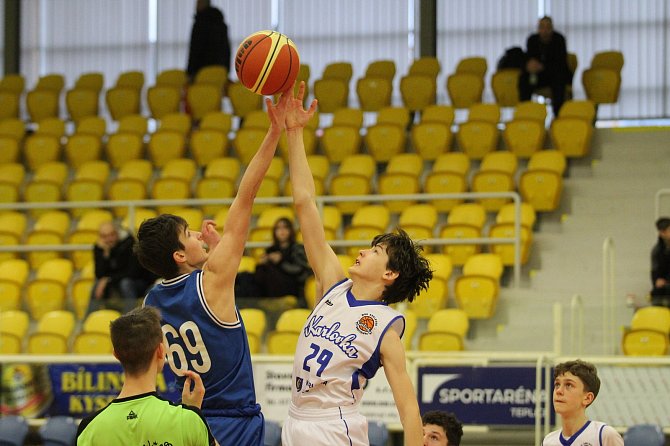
(492, 395)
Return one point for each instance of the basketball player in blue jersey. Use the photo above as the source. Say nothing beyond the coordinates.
(196, 298)
(352, 331)
(576, 385)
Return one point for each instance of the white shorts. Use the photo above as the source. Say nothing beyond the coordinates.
(325, 427)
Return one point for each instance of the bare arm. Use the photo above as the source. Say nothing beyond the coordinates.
(393, 359)
(221, 267)
(321, 257)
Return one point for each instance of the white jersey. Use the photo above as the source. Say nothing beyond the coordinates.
(593, 433)
(338, 349)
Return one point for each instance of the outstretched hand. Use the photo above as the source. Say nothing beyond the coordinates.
(277, 112)
(297, 116)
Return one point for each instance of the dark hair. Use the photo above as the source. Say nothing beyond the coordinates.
(135, 337)
(448, 421)
(157, 240)
(405, 258)
(663, 223)
(291, 229)
(583, 370)
(546, 18)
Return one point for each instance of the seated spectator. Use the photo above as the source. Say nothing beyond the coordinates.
(139, 415)
(119, 276)
(283, 268)
(660, 264)
(441, 429)
(546, 65)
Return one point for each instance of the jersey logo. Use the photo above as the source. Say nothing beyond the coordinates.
(329, 303)
(298, 384)
(366, 324)
(131, 415)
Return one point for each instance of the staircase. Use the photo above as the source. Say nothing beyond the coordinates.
(610, 194)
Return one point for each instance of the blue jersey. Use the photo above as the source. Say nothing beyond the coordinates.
(218, 351)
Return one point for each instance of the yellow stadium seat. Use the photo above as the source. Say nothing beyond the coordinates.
(601, 85)
(477, 138)
(347, 185)
(475, 65)
(381, 68)
(648, 333)
(82, 148)
(246, 143)
(90, 81)
(12, 173)
(176, 122)
(48, 291)
(453, 319)
(130, 79)
(40, 149)
(41, 192)
(80, 258)
(217, 120)
(96, 170)
(269, 188)
(13, 223)
(9, 149)
(122, 102)
(445, 183)
(137, 169)
(81, 103)
(446, 331)
(47, 344)
(612, 60)
(207, 145)
(384, 141)
(163, 100)
(549, 160)
(484, 112)
(92, 344)
(183, 168)
(499, 161)
(83, 190)
(42, 104)
(477, 289)
(292, 320)
(376, 216)
(57, 222)
(338, 70)
(170, 189)
(13, 276)
(243, 101)
(10, 105)
(524, 137)
(92, 219)
(506, 251)
(331, 94)
(585, 110)
(396, 184)
(15, 83)
(254, 320)
(225, 167)
(124, 190)
(426, 65)
(485, 181)
(256, 119)
(215, 75)
(530, 111)
(431, 139)
(340, 141)
(98, 321)
(81, 290)
(139, 215)
(418, 91)
(419, 220)
(374, 93)
(13, 328)
(59, 322)
(505, 86)
(282, 343)
(192, 216)
(431, 300)
(332, 222)
(94, 125)
(51, 126)
(164, 146)
(123, 147)
(465, 89)
(507, 214)
(175, 78)
(203, 99)
(134, 123)
(541, 188)
(13, 128)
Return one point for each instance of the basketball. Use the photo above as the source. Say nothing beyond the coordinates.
(267, 62)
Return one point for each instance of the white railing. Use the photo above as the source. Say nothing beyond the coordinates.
(657, 201)
(608, 296)
(576, 325)
(321, 201)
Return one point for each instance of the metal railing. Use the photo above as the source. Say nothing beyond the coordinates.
(132, 206)
(608, 296)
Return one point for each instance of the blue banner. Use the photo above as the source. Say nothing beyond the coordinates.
(38, 390)
(480, 395)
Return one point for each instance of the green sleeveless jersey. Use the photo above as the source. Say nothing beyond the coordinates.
(145, 419)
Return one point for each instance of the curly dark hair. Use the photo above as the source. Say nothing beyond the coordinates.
(583, 370)
(453, 428)
(157, 240)
(405, 258)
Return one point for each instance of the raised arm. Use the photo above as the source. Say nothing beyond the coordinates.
(224, 259)
(321, 257)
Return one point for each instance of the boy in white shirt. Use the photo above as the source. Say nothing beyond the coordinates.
(576, 385)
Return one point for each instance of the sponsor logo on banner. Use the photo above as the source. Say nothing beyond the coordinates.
(481, 395)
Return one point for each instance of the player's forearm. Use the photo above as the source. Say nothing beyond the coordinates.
(255, 172)
(412, 427)
(302, 181)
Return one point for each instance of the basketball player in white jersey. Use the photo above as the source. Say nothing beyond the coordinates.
(352, 331)
(576, 385)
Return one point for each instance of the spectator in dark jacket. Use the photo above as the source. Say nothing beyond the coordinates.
(283, 268)
(546, 65)
(660, 264)
(209, 39)
(118, 273)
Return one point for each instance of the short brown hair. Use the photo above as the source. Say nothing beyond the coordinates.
(583, 370)
(135, 337)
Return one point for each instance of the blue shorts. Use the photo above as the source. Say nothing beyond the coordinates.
(238, 430)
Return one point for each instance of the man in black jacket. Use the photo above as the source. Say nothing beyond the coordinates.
(118, 273)
(660, 264)
(209, 39)
(546, 65)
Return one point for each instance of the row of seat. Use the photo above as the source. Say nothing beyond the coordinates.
(648, 334)
(55, 332)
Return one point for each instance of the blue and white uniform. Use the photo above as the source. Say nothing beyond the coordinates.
(337, 352)
(593, 433)
(217, 350)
